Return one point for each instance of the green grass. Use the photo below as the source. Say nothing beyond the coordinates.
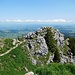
(8, 43)
(10, 65)
(56, 69)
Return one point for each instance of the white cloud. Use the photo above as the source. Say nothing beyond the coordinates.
(48, 21)
(13, 20)
(38, 20)
(56, 20)
(59, 20)
(18, 20)
(7, 20)
(29, 20)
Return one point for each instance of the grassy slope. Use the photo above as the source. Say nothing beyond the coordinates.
(7, 45)
(10, 65)
(56, 69)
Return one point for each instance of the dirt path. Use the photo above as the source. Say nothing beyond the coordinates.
(10, 49)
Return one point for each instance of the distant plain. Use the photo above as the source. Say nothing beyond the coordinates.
(13, 30)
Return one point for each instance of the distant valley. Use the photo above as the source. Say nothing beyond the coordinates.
(8, 30)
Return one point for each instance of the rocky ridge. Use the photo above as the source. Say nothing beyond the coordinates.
(38, 49)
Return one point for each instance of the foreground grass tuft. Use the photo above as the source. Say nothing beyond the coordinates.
(56, 69)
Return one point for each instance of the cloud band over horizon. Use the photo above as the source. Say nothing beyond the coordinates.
(47, 21)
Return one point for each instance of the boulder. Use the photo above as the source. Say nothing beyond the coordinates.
(25, 69)
(30, 35)
(14, 41)
(33, 61)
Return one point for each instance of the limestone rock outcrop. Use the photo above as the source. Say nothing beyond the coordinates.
(38, 49)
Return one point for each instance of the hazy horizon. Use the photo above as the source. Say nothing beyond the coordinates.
(48, 11)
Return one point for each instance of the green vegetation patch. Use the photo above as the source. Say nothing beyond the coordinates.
(72, 45)
(56, 69)
(7, 44)
(14, 62)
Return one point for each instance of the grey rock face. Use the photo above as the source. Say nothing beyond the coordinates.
(37, 47)
(43, 46)
(59, 38)
(33, 61)
(31, 45)
(42, 49)
(50, 60)
(30, 35)
(67, 59)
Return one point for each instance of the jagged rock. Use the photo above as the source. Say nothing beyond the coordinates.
(43, 49)
(14, 41)
(30, 35)
(50, 59)
(25, 69)
(30, 45)
(66, 59)
(67, 41)
(37, 47)
(58, 42)
(59, 38)
(70, 53)
(33, 61)
(14, 56)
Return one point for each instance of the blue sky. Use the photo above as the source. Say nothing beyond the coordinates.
(31, 10)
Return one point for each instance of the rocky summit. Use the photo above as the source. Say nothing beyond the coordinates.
(42, 50)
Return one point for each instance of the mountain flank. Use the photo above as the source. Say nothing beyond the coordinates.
(47, 45)
(43, 52)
